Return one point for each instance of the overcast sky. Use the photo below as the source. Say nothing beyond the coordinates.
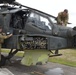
(53, 7)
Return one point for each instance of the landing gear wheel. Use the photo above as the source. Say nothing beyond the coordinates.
(3, 60)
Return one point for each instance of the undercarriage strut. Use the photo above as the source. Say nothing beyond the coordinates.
(11, 54)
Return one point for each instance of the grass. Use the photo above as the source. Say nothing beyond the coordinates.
(20, 53)
(63, 61)
(68, 57)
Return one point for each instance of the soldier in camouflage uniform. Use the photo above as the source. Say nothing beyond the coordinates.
(2, 37)
(62, 18)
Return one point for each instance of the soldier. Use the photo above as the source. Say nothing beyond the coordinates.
(2, 37)
(62, 18)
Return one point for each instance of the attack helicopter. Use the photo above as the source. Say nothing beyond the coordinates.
(34, 31)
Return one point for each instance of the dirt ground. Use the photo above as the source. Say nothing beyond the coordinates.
(17, 69)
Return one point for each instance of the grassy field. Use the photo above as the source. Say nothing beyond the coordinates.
(20, 53)
(68, 57)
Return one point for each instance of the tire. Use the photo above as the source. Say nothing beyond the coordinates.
(3, 61)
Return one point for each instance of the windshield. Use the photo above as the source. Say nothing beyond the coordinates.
(53, 20)
(42, 22)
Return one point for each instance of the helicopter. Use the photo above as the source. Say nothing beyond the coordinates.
(34, 32)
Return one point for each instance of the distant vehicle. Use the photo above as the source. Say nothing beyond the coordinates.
(33, 29)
